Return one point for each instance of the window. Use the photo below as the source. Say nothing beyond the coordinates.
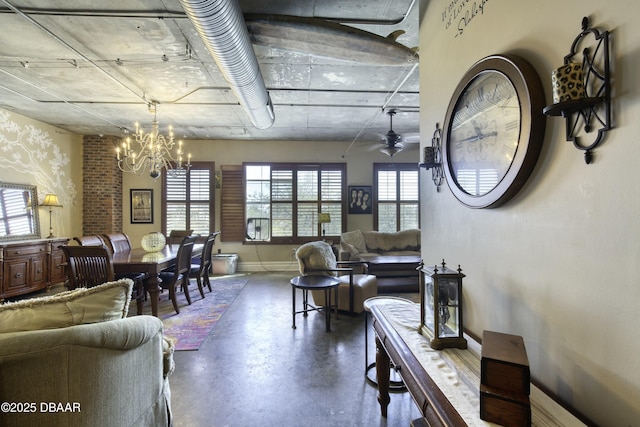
(397, 196)
(283, 201)
(188, 199)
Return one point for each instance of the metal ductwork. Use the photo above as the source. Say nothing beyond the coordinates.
(221, 26)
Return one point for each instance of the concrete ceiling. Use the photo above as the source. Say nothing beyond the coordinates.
(91, 68)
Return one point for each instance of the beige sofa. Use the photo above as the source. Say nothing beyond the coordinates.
(355, 244)
(382, 251)
(109, 372)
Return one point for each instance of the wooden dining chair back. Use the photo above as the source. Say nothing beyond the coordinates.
(117, 242)
(94, 240)
(204, 267)
(180, 274)
(88, 266)
(120, 242)
(176, 236)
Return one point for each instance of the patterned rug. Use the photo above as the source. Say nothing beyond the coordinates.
(192, 326)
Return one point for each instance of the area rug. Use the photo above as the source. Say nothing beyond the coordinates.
(192, 326)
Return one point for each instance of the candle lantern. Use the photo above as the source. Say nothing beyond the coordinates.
(441, 306)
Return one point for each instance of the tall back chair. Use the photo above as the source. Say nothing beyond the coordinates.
(204, 267)
(88, 266)
(94, 240)
(117, 242)
(176, 236)
(180, 274)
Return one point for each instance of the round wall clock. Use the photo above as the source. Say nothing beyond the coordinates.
(493, 131)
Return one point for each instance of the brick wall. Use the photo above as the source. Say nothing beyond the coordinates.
(102, 186)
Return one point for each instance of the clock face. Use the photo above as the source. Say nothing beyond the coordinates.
(493, 131)
(484, 133)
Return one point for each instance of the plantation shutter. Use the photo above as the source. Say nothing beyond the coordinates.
(232, 211)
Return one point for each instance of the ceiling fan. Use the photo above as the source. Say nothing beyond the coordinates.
(392, 141)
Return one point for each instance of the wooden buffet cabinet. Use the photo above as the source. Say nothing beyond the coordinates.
(30, 265)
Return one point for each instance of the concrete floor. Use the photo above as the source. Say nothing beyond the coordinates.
(255, 370)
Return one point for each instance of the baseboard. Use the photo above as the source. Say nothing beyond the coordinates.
(284, 266)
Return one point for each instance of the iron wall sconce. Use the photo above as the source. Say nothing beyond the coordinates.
(433, 158)
(586, 109)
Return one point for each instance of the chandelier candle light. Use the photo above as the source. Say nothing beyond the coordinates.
(155, 151)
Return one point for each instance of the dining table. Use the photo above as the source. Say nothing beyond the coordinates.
(137, 260)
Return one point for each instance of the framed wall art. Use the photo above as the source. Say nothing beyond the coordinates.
(360, 199)
(141, 206)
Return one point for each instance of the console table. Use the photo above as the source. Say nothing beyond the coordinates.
(30, 265)
(444, 383)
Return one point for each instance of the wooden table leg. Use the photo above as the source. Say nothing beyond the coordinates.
(151, 284)
(383, 365)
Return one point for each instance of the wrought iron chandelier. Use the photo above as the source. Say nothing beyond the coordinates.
(155, 151)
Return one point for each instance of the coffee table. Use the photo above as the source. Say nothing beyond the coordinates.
(315, 283)
(395, 273)
(389, 263)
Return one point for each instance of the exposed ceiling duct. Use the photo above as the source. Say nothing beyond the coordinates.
(221, 26)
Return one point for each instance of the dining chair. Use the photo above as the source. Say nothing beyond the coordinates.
(204, 262)
(176, 236)
(93, 240)
(119, 242)
(88, 266)
(180, 274)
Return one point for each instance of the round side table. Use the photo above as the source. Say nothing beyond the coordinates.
(315, 283)
(395, 382)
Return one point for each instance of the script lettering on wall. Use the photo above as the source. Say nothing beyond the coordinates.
(457, 15)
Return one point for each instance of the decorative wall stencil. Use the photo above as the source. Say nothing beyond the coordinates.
(30, 150)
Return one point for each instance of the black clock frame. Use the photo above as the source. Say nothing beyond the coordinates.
(530, 95)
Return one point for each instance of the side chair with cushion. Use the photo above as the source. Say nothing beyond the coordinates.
(319, 258)
(90, 240)
(118, 242)
(204, 263)
(180, 274)
(88, 266)
(176, 236)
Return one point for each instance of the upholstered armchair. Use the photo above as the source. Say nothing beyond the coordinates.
(355, 287)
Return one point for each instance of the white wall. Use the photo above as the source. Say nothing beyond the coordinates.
(558, 264)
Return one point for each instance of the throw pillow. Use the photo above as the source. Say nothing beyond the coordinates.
(355, 239)
(344, 246)
(101, 303)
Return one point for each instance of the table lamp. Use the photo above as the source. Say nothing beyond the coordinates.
(324, 218)
(51, 200)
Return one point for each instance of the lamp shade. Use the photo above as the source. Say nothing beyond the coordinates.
(51, 200)
(324, 218)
